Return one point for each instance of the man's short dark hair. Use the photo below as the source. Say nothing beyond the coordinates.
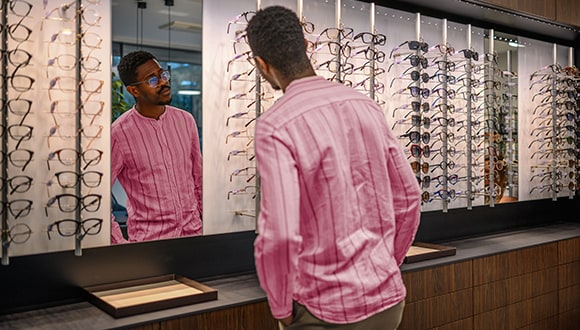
(275, 34)
(129, 63)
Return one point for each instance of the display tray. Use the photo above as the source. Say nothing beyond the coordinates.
(149, 294)
(425, 251)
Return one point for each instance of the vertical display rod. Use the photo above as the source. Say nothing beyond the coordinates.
(444, 142)
(468, 137)
(5, 237)
(510, 144)
(491, 133)
(372, 47)
(337, 18)
(78, 103)
(300, 8)
(571, 63)
(554, 105)
(258, 106)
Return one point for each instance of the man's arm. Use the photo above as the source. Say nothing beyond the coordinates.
(277, 243)
(116, 168)
(406, 197)
(197, 168)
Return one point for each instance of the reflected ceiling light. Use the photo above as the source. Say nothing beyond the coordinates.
(181, 26)
(188, 92)
(515, 44)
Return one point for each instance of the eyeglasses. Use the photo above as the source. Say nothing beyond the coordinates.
(17, 234)
(251, 190)
(413, 45)
(469, 54)
(17, 184)
(19, 208)
(334, 33)
(443, 180)
(68, 37)
(19, 8)
(245, 16)
(91, 132)
(19, 82)
(248, 57)
(154, 81)
(243, 171)
(333, 65)
(17, 57)
(70, 202)
(334, 48)
(17, 132)
(88, 108)
(18, 32)
(69, 62)
(70, 84)
(415, 91)
(370, 38)
(415, 107)
(241, 152)
(70, 179)
(69, 156)
(62, 13)
(19, 157)
(71, 227)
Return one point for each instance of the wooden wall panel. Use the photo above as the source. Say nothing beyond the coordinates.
(153, 326)
(506, 265)
(437, 281)
(569, 320)
(509, 291)
(569, 298)
(543, 8)
(520, 314)
(546, 324)
(568, 12)
(252, 316)
(569, 250)
(569, 274)
(465, 324)
(438, 311)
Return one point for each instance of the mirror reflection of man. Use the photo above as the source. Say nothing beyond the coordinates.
(156, 157)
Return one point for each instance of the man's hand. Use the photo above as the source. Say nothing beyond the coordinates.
(287, 320)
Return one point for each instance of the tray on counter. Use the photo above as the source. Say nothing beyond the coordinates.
(425, 251)
(149, 294)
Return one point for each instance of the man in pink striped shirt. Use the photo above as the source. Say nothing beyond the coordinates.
(155, 155)
(340, 203)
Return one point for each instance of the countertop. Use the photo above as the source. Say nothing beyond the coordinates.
(244, 289)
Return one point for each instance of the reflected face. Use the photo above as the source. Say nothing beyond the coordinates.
(143, 92)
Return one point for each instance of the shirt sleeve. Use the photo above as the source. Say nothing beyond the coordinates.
(197, 168)
(276, 245)
(406, 198)
(116, 168)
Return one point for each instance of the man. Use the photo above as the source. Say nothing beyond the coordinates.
(340, 203)
(155, 155)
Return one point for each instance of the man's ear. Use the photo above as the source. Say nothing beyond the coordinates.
(132, 90)
(262, 66)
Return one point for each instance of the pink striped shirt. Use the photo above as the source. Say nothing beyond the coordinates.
(158, 163)
(340, 204)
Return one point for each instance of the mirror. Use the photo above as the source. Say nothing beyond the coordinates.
(501, 118)
(170, 30)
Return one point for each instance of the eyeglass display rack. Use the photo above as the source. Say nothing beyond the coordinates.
(61, 81)
(555, 135)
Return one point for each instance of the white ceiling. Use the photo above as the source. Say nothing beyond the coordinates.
(127, 19)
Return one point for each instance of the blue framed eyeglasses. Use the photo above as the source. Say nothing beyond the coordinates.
(154, 81)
